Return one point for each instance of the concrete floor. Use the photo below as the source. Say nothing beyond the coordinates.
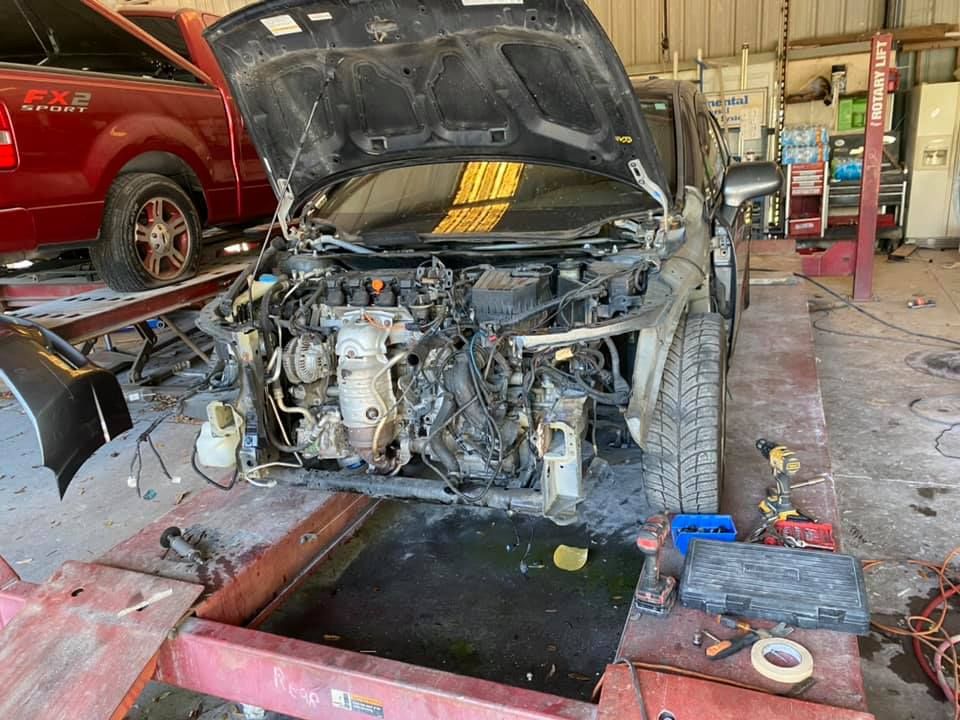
(899, 498)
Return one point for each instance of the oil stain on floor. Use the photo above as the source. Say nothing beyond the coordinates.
(445, 588)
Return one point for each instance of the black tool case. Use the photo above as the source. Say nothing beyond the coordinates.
(803, 588)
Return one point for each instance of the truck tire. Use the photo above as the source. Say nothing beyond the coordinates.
(683, 461)
(150, 234)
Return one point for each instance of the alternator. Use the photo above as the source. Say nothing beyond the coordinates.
(307, 359)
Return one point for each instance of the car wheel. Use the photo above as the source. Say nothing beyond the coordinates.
(683, 461)
(150, 235)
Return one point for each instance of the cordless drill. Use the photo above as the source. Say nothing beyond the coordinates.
(777, 505)
(656, 593)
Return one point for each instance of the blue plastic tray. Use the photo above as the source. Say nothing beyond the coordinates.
(685, 528)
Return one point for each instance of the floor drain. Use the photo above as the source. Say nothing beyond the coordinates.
(943, 409)
(940, 363)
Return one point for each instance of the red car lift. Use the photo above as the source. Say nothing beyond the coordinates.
(82, 318)
(84, 644)
(31, 289)
(844, 257)
(90, 314)
(58, 278)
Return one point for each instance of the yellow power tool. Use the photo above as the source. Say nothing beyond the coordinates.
(777, 505)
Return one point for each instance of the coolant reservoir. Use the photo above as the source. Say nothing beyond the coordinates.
(257, 289)
(219, 436)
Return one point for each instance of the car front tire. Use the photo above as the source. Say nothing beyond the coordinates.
(683, 460)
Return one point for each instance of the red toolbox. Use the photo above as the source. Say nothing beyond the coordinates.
(806, 199)
(815, 536)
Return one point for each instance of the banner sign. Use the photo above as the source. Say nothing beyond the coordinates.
(743, 109)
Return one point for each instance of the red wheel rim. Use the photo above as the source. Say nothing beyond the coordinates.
(163, 239)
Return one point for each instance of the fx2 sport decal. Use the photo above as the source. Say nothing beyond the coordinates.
(62, 101)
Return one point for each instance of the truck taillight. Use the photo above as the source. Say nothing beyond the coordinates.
(8, 145)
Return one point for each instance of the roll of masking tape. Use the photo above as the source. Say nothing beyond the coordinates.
(795, 661)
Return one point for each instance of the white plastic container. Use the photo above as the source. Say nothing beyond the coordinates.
(219, 436)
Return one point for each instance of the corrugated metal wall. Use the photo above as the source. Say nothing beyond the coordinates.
(718, 27)
(721, 27)
(924, 12)
(813, 18)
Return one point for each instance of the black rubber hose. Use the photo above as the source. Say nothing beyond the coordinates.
(458, 381)
(435, 442)
(224, 304)
(212, 323)
(266, 324)
(601, 397)
(620, 386)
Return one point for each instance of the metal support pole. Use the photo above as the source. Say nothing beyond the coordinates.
(880, 51)
(777, 217)
(744, 81)
(172, 326)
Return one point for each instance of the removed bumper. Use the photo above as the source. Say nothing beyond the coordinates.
(74, 405)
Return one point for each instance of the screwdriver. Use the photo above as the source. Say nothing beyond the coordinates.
(719, 649)
(734, 624)
(725, 648)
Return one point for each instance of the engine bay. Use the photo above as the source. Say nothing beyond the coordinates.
(485, 376)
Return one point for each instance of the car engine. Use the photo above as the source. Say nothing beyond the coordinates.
(478, 375)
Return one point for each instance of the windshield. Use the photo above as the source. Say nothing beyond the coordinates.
(479, 197)
(659, 116)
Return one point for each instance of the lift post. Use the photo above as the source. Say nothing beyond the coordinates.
(881, 48)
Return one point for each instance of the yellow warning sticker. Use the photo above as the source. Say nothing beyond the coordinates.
(356, 703)
(281, 25)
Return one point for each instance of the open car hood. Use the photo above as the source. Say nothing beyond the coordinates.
(381, 83)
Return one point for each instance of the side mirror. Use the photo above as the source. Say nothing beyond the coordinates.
(747, 181)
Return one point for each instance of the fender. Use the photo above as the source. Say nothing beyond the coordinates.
(685, 280)
(143, 133)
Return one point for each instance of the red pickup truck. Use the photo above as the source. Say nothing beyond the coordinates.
(113, 140)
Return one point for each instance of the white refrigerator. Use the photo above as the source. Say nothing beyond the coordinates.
(932, 152)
